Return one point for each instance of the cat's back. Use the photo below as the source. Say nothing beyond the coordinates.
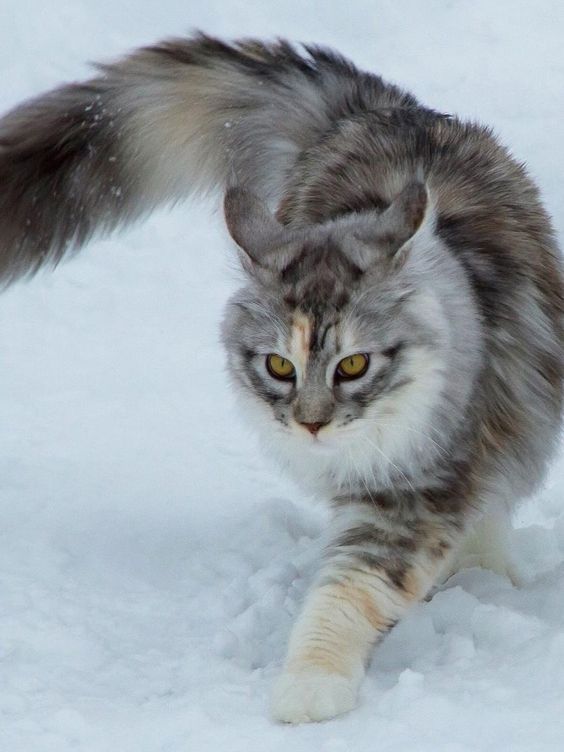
(489, 215)
(488, 209)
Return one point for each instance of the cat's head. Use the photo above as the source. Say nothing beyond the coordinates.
(341, 343)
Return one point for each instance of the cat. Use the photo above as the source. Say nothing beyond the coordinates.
(398, 343)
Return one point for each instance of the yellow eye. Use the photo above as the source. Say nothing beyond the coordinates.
(279, 367)
(353, 366)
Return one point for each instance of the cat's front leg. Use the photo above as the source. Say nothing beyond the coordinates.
(375, 568)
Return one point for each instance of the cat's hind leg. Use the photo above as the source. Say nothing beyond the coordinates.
(489, 545)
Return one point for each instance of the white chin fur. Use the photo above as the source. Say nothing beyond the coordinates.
(393, 435)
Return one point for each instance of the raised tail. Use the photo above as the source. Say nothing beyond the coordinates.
(181, 116)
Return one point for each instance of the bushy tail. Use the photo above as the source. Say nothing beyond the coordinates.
(182, 116)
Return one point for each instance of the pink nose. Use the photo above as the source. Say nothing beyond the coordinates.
(313, 428)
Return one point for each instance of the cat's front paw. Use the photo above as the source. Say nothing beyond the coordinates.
(311, 696)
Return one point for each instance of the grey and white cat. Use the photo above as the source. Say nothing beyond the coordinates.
(398, 342)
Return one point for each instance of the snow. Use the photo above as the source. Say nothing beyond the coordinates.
(151, 562)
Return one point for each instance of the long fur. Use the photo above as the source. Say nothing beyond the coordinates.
(399, 232)
(179, 117)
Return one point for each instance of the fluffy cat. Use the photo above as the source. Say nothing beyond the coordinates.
(398, 342)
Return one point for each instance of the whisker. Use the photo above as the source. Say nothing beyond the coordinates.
(362, 479)
(386, 424)
(378, 512)
(399, 470)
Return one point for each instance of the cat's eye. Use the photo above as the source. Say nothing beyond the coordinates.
(279, 367)
(352, 367)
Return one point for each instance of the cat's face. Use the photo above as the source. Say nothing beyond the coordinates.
(348, 372)
(334, 345)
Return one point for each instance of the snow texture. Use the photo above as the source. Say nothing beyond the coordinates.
(151, 562)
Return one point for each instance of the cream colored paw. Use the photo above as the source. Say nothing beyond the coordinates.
(311, 696)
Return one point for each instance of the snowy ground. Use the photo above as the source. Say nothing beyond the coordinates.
(150, 561)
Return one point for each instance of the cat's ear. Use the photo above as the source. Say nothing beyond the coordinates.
(265, 242)
(405, 215)
(387, 233)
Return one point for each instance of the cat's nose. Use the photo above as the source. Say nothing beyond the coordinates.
(313, 428)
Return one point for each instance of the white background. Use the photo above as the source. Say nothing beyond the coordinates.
(150, 561)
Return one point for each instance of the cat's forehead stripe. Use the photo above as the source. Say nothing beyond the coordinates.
(300, 339)
(325, 335)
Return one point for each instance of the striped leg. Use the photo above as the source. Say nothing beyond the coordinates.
(371, 576)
